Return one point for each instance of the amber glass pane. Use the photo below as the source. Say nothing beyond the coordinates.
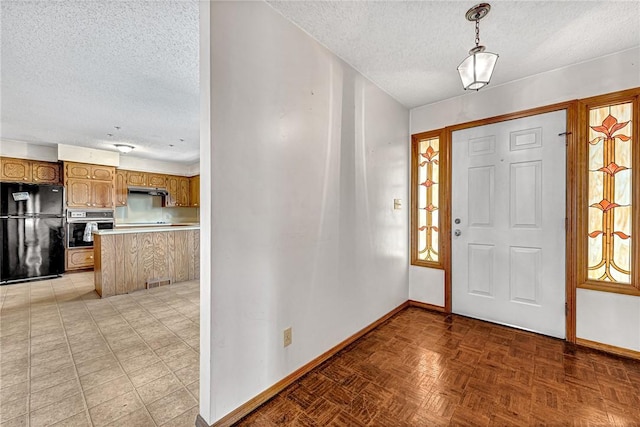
(610, 193)
(428, 201)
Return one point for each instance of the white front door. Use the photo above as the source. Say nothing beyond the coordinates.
(508, 231)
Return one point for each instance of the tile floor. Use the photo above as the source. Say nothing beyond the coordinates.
(69, 358)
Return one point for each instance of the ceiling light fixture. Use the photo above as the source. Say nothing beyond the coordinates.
(476, 70)
(124, 148)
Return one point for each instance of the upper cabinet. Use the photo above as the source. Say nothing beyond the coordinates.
(122, 193)
(178, 187)
(30, 171)
(45, 172)
(89, 185)
(137, 179)
(156, 180)
(194, 185)
(88, 171)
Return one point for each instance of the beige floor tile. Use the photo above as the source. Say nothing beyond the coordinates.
(51, 365)
(172, 405)
(135, 363)
(188, 374)
(148, 374)
(58, 344)
(54, 394)
(183, 360)
(134, 351)
(13, 392)
(57, 411)
(100, 377)
(108, 391)
(101, 362)
(79, 420)
(53, 378)
(12, 377)
(47, 357)
(194, 388)
(113, 409)
(84, 356)
(186, 419)
(138, 418)
(158, 388)
(172, 350)
(21, 421)
(161, 340)
(14, 408)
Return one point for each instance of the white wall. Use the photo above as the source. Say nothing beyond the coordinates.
(603, 75)
(132, 163)
(306, 158)
(24, 150)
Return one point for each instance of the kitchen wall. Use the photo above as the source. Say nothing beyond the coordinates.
(302, 157)
(24, 150)
(143, 208)
(602, 317)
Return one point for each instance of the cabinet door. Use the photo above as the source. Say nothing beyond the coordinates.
(78, 259)
(45, 172)
(102, 194)
(138, 179)
(194, 189)
(102, 173)
(77, 170)
(173, 188)
(156, 180)
(183, 192)
(15, 169)
(121, 188)
(79, 193)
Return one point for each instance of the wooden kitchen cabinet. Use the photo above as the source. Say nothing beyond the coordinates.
(183, 191)
(89, 186)
(194, 191)
(89, 171)
(137, 179)
(79, 259)
(15, 170)
(85, 193)
(45, 172)
(122, 192)
(156, 180)
(178, 188)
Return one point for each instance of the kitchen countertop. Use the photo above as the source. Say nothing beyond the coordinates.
(154, 224)
(151, 228)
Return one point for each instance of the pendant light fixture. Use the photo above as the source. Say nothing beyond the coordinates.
(476, 70)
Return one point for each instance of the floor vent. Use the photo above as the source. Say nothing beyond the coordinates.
(155, 283)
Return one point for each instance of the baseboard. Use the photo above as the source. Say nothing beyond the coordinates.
(426, 306)
(248, 407)
(618, 351)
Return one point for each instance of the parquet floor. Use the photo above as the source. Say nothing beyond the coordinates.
(428, 369)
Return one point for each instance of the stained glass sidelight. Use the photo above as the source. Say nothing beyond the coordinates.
(610, 193)
(428, 201)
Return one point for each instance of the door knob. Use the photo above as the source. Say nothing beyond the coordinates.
(457, 232)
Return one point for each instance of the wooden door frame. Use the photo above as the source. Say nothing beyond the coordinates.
(572, 168)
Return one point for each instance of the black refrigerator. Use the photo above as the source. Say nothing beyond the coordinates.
(32, 231)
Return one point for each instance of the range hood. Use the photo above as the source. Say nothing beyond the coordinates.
(149, 190)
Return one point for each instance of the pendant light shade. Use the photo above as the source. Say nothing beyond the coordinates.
(476, 70)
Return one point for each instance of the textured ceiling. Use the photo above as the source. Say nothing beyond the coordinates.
(72, 70)
(412, 49)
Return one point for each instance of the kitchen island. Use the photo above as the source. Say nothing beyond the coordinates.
(133, 258)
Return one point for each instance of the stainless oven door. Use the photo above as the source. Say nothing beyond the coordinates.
(76, 233)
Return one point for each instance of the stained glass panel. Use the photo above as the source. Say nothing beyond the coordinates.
(427, 199)
(610, 193)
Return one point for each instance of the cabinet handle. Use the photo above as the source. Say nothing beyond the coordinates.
(91, 257)
(94, 177)
(88, 176)
(25, 178)
(88, 204)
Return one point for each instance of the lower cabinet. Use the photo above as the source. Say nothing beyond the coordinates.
(79, 259)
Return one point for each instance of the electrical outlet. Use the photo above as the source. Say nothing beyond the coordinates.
(287, 337)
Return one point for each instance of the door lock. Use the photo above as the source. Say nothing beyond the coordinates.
(457, 232)
(457, 220)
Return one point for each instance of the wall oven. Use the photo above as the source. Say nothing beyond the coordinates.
(79, 222)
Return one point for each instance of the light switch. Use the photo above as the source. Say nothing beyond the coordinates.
(397, 204)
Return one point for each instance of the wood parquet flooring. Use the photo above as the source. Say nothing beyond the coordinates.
(423, 368)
